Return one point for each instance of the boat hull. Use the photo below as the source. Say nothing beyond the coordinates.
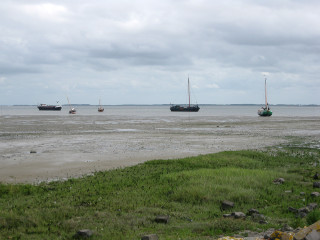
(264, 112)
(178, 108)
(72, 111)
(49, 108)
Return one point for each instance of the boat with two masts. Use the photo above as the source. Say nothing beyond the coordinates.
(265, 111)
(188, 108)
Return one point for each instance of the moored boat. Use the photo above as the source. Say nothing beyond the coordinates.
(100, 108)
(178, 108)
(45, 107)
(72, 109)
(265, 111)
(188, 108)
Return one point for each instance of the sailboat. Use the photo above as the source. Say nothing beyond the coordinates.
(265, 110)
(100, 108)
(188, 108)
(72, 109)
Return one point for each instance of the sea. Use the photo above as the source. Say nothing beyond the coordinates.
(164, 111)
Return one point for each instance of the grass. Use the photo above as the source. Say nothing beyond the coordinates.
(123, 203)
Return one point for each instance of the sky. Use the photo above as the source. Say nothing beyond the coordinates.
(144, 51)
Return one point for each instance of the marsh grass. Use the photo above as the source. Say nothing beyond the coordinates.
(123, 203)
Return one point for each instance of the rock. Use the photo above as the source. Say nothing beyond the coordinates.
(288, 191)
(304, 209)
(227, 215)
(302, 193)
(260, 218)
(150, 237)
(162, 219)
(268, 233)
(286, 228)
(312, 206)
(316, 176)
(315, 194)
(313, 235)
(84, 233)
(305, 231)
(278, 181)
(301, 214)
(316, 184)
(294, 210)
(252, 211)
(281, 235)
(33, 151)
(238, 215)
(266, 236)
(263, 222)
(227, 205)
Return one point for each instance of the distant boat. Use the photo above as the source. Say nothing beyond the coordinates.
(265, 111)
(188, 108)
(45, 107)
(72, 109)
(100, 108)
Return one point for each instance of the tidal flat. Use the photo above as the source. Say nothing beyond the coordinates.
(36, 148)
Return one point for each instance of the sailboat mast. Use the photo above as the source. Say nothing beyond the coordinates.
(189, 90)
(69, 103)
(265, 89)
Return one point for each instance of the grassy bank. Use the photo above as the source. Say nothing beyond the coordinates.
(123, 203)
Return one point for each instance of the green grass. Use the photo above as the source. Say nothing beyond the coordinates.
(123, 203)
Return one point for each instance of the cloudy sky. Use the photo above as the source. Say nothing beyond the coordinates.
(142, 51)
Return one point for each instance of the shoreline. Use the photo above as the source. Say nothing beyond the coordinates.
(73, 147)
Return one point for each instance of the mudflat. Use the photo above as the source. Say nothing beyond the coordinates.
(46, 148)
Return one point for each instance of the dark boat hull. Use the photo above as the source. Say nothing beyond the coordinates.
(178, 108)
(263, 112)
(50, 108)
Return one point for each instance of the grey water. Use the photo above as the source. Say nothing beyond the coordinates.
(164, 111)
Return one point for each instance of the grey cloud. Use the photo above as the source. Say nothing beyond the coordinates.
(141, 45)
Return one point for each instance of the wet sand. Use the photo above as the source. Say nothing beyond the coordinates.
(73, 146)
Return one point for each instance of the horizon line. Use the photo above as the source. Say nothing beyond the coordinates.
(167, 104)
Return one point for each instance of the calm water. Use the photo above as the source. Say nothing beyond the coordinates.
(154, 111)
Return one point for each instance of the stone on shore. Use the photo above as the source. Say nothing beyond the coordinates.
(293, 210)
(313, 235)
(260, 218)
(227, 204)
(162, 219)
(278, 181)
(150, 237)
(302, 234)
(315, 194)
(286, 228)
(312, 206)
(84, 233)
(316, 184)
(238, 215)
(252, 211)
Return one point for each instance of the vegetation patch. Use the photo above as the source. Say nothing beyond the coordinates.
(123, 203)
